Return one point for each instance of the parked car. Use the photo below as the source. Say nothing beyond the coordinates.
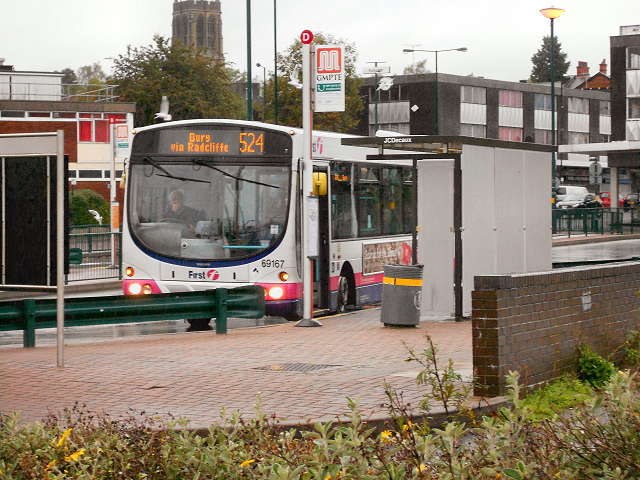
(605, 198)
(630, 201)
(579, 200)
(563, 190)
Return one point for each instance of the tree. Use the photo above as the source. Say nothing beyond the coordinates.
(91, 74)
(541, 71)
(290, 98)
(195, 85)
(416, 68)
(84, 200)
(69, 76)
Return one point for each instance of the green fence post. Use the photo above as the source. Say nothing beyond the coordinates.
(221, 310)
(29, 314)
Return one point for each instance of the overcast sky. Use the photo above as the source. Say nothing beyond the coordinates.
(501, 36)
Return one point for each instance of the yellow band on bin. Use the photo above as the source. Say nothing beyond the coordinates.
(406, 282)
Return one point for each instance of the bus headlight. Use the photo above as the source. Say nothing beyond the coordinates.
(137, 289)
(129, 272)
(276, 293)
(284, 276)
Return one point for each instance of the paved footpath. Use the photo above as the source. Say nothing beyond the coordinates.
(302, 374)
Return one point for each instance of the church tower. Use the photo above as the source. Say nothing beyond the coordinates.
(199, 23)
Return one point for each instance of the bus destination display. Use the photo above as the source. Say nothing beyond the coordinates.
(211, 142)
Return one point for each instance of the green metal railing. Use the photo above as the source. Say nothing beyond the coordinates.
(585, 221)
(31, 314)
(91, 254)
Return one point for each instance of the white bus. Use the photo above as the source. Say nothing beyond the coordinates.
(217, 203)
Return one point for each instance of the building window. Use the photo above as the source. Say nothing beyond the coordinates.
(94, 127)
(633, 58)
(511, 134)
(543, 137)
(579, 105)
(510, 98)
(578, 138)
(605, 138)
(470, 94)
(200, 31)
(605, 108)
(64, 115)
(473, 130)
(211, 31)
(10, 114)
(542, 101)
(634, 108)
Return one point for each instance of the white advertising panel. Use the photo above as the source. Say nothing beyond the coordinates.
(328, 78)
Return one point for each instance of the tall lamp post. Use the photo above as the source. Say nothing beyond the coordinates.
(410, 50)
(249, 79)
(275, 61)
(552, 13)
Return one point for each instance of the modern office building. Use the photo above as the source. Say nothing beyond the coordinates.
(625, 105)
(427, 104)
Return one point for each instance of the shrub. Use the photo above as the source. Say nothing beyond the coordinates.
(594, 369)
(84, 200)
(554, 398)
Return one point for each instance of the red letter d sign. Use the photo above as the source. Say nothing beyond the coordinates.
(306, 37)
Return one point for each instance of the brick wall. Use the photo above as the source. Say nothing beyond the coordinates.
(534, 323)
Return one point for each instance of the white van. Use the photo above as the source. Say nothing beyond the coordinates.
(564, 190)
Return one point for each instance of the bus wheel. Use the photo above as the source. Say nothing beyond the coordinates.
(343, 294)
(198, 324)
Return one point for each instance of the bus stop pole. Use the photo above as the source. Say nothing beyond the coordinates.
(60, 213)
(307, 189)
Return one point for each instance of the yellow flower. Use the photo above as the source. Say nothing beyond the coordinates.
(246, 463)
(74, 456)
(328, 477)
(64, 437)
(405, 427)
(386, 436)
(49, 465)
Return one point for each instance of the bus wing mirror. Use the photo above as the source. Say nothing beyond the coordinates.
(320, 183)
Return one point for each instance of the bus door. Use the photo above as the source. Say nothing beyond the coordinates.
(322, 264)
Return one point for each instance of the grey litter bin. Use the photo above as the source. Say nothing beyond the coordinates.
(401, 295)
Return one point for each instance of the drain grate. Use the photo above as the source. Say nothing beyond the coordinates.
(295, 367)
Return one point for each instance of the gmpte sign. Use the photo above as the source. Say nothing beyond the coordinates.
(328, 78)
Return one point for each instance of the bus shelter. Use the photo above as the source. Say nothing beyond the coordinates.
(484, 207)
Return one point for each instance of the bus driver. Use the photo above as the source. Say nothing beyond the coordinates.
(180, 212)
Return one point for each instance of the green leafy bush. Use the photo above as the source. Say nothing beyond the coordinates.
(81, 201)
(557, 397)
(594, 369)
(599, 439)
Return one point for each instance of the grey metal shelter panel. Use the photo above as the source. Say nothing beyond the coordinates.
(436, 238)
(479, 239)
(510, 218)
(537, 212)
(28, 144)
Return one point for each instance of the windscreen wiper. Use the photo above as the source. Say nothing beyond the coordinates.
(169, 175)
(205, 164)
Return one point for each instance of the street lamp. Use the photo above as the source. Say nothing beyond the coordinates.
(410, 50)
(376, 96)
(552, 13)
(275, 61)
(264, 88)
